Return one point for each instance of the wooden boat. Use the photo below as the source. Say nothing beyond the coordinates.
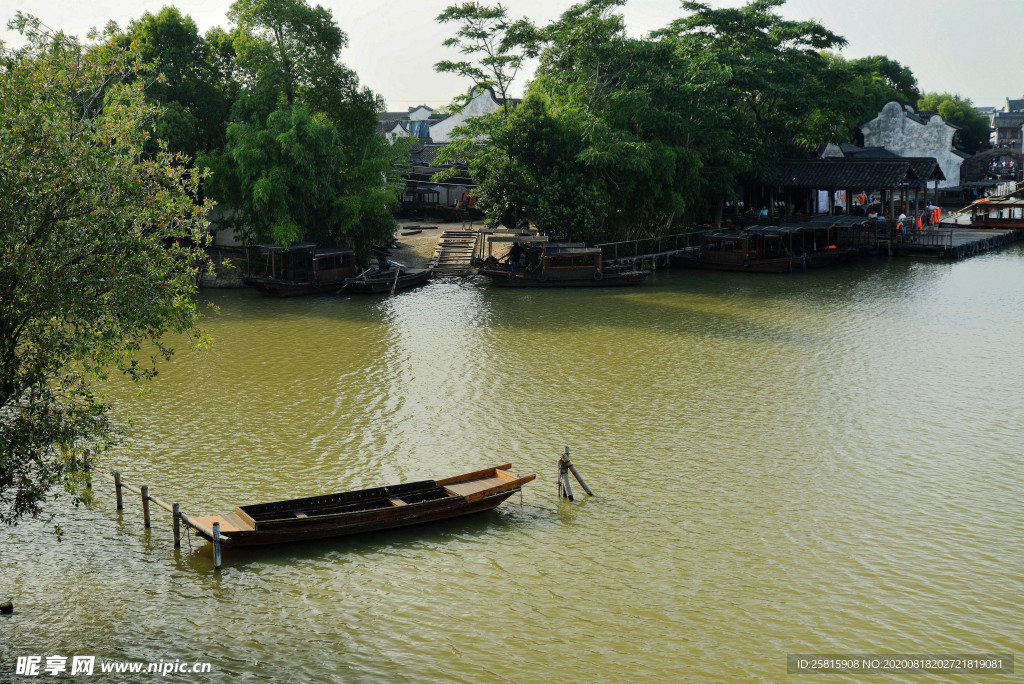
(365, 510)
(769, 249)
(378, 282)
(303, 269)
(752, 252)
(993, 214)
(534, 262)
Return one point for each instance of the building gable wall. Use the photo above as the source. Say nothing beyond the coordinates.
(901, 132)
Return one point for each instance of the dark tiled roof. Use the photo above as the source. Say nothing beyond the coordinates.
(855, 152)
(843, 173)
(1008, 119)
(925, 168)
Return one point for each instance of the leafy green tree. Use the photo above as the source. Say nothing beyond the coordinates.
(863, 86)
(499, 44)
(974, 126)
(303, 160)
(607, 143)
(195, 109)
(780, 82)
(100, 248)
(498, 47)
(289, 52)
(298, 182)
(529, 175)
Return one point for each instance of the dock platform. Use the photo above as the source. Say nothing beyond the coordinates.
(454, 253)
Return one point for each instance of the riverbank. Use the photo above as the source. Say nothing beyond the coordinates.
(413, 251)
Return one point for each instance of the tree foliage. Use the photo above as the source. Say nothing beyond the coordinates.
(974, 126)
(863, 86)
(195, 109)
(499, 44)
(100, 248)
(303, 161)
(298, 182)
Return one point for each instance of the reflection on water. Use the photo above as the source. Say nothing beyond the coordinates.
(828, 462)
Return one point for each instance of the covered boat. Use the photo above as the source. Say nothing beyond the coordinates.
(364, 510)
(532, 261)
(751, 251)
(303, 269)
(995, 213)
(392, 279)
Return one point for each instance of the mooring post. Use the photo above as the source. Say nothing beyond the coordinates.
(145, 505)
(564, 490)
(117, 489)
(87, 468)
(175, 513)
(216, 546)
(575, 473)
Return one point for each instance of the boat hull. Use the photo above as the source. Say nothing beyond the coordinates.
(269, 287)
(509, 279)
(383, 284)
(367, 510)
(710, 263)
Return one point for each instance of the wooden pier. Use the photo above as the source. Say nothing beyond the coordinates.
(947, 242)
(454, 253)
(944, 241)
(178, 516)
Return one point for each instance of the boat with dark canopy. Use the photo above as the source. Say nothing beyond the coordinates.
(532, 261)
(365, 510)
(303, 269)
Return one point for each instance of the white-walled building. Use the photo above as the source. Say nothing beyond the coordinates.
(899, 128)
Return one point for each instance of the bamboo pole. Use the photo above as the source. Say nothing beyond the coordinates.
(117, 489)
(216, 546)
(176, 512)
(145, 505)
(564, 490)
(182, 516)
(575, 473)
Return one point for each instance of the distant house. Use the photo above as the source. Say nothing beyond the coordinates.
(901, 129)
(1008, 126)
(433, 132)
(485, 102)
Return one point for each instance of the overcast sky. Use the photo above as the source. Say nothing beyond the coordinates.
(973, 48)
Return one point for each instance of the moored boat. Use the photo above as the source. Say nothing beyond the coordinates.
(769, 249)
(392, 279)
(751, 251)
(303, 269)
(533, 262)
(365, 510)
(994, 213)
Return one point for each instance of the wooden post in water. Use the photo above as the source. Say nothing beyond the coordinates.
(216, 546)
(564, 490)
(566, 464)
(145, 505)
(117, 489)
(176, 513)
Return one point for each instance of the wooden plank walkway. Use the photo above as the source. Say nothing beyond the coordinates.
(454, 253)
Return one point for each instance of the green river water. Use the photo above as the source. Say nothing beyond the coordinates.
(828, 462)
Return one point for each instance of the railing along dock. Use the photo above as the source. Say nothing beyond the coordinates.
(177, 514)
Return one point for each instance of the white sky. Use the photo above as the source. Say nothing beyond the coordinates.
(973, 48)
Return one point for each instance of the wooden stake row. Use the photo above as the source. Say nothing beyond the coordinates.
(565, 467)
(174, 509)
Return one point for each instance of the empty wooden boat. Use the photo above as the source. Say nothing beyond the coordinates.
(377, 282)
(365, 510)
